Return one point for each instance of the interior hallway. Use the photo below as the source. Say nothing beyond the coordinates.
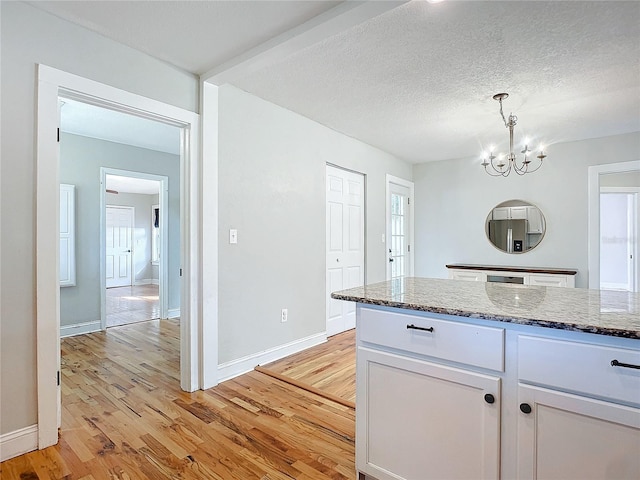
(132, 304)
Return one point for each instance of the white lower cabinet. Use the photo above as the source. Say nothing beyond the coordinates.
(564, 436)
(418, 420)
(442, 397)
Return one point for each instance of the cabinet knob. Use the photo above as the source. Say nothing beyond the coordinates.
(525, 408)
(489, 398)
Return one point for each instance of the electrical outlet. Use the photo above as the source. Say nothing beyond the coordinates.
(284, 315)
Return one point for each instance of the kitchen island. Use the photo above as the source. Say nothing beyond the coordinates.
(483, 380)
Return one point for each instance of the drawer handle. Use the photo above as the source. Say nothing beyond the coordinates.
(616, 363)
(413, 327)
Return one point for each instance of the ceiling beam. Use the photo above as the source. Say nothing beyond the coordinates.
(332, 22)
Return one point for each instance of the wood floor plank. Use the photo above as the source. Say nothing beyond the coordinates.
(125, 417)
(329, 367)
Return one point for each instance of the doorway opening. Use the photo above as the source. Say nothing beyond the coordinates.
(53, 84)
(135, 254)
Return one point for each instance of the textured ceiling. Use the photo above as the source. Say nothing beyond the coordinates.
(415, 81)
(193, 35)
(418, 81)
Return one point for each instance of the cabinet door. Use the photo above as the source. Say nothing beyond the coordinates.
(534, 216)
(418, 420)
(572, 437)
(518, 213)
(501, 213)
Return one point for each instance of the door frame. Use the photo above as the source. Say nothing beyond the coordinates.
(53, 83)
(163, 271)
(103, 254)
(390, 179)
(593, 242)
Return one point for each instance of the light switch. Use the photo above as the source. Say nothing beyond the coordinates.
(233, 235)
(383, 238)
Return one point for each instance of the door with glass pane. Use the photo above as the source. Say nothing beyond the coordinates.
(398, 228)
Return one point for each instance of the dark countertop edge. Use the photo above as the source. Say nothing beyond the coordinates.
(612, 332)
(498, 268)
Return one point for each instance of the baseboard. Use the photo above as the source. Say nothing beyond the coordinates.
(234, 368)
(18, 442)
(173, 313)
(614, 286)
(80, 328)
(146, 281)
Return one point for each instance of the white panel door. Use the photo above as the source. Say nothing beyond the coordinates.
(345, 244)
(118, 246)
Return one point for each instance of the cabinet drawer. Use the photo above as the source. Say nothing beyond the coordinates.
(547, 280)
(458, 342)
(468, 275)
(580, 367)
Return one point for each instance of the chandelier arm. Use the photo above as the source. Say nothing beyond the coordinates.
(500, 172)
(502, 114)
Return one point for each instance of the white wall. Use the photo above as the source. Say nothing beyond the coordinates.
(80, 162)
(272, 169)
(28, 37)
(453, 198)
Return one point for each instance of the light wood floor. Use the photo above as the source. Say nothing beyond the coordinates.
(125, 417)
(330, 367)
(132, 304)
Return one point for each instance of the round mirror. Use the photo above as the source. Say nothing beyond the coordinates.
(515, 226)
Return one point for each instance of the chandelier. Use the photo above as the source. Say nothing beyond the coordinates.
(504, 166)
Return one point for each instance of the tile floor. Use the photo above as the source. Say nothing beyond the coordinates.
(132, 304)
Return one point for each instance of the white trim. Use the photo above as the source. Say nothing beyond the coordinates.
(52, 83)
(208, 346)
(173, 313)
(619, 189)
(412, 254)
(594, 173)
(234, 368)
(79, 328)
(18, 442)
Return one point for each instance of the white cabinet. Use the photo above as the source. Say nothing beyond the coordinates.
(535, 221)
(578, 415)
(510, 213)
(468, 275)
(566, 436)
(413, 403)
(411, 414)
(452, 397)
(547, 280)
(563, 278)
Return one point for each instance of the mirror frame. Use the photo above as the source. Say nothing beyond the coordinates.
(523, 203)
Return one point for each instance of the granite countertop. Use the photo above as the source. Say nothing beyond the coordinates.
(592, 311)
